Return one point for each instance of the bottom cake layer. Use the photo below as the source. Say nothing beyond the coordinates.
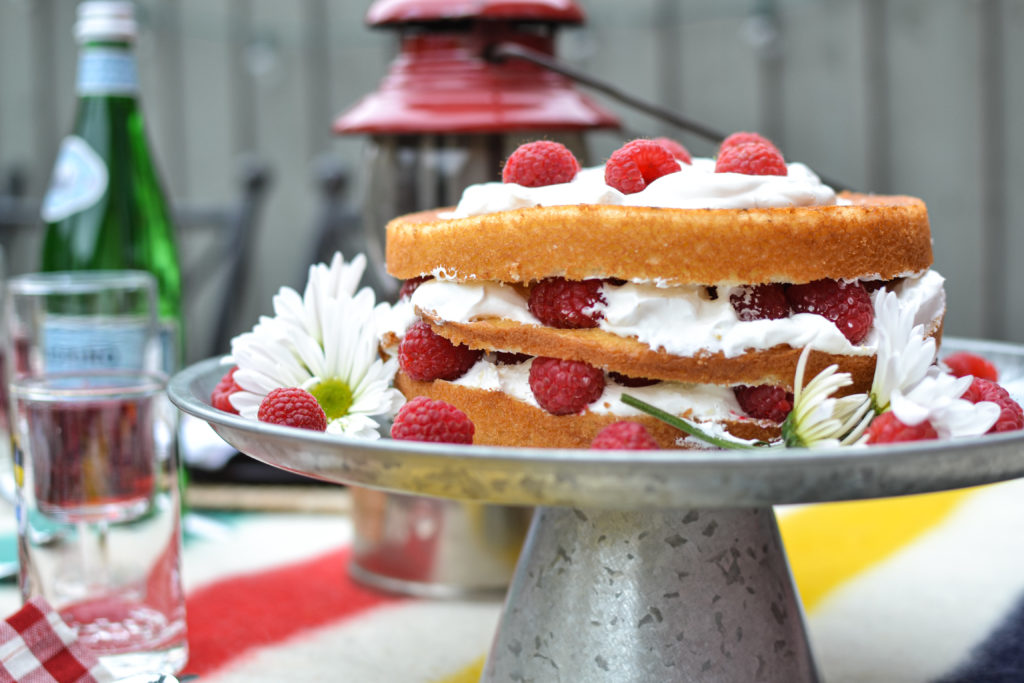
(503, 420)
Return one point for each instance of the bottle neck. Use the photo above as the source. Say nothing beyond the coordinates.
(107, 69)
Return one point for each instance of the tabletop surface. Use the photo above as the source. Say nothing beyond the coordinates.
(916, 588)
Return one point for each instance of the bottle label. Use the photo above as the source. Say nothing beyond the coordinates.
(79, 180)
(82, 343)
(107, 71)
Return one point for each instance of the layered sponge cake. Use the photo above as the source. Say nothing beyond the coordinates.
(692, 284)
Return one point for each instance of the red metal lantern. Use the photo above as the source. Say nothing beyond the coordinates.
(446, 116)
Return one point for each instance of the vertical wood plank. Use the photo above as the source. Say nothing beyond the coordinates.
(18, 135)
(319, 76)
(18, 82)
(667, 31)
(877, 109)
(766, 35)
(241, 51)
(49, 59)
(164, 99)
(1011, 23)
(275, 57)
(210, 117)
(821, 89)
(992, 173)
(933, 65)
(359, 57)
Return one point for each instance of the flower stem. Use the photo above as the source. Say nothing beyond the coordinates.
(687, 427)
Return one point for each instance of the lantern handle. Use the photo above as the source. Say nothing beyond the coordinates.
(499, 52)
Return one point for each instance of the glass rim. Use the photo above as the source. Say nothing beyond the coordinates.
(90, 384)
(79, 282)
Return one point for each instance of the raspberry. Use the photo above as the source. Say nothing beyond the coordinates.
(293, 407)
(964, 363)
(636, 164)
(765, 402)
(539, 163)
(565, 387)
(677, 149)
(225, 387)
(742, 138)
(760, 302)
(562, 303)
(409, 286)
(633, 382)
(751, 158)
(631, 436)
(846, 304)
(423, 419)
(887, 428)
(425, 355)
(1011, 416)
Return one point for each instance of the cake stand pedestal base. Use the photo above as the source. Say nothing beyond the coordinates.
(652, 596)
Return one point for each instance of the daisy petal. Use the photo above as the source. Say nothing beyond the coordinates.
(327, 334)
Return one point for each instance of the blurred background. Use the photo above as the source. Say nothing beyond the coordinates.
(920, 97)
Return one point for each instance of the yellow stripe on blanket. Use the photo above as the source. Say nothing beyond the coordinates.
(829, 543)
(471, 674)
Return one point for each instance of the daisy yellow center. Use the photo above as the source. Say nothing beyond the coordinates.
(334, 396)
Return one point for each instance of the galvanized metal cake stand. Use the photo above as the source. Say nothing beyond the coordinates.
(639, 566)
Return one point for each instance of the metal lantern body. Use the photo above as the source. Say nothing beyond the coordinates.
(445, 116)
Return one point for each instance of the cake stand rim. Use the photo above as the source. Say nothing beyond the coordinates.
(380, 463)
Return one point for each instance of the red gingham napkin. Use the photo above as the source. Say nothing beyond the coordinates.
(37, 647)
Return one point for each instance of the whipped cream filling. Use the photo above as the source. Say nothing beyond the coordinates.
(708, 401)
(681, 320)
(695, 186)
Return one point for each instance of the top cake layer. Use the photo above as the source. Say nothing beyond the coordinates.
(868, 237)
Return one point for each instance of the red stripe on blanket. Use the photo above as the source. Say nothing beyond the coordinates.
(230, 617)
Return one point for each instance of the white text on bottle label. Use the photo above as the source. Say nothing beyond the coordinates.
(75, 343)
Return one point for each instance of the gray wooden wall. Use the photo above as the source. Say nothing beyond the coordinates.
(920, 97)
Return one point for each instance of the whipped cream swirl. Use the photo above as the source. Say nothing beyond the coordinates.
(695, 186)
(680, 320)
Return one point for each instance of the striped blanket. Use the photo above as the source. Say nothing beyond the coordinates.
(920, 588)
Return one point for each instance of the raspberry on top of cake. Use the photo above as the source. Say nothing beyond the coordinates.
(694, 284)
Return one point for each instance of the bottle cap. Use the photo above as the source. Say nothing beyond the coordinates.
(105, 20)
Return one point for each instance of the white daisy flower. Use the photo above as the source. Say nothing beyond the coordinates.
(818, 420)
(936, 398)
(324, 341)
(908, 382)
(904, 353)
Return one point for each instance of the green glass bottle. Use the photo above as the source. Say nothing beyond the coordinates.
(105, 208)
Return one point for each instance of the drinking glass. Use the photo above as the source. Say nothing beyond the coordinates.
(75, 320)
(99, 528)
(95, 462)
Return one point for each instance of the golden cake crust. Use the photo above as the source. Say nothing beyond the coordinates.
(634, 359)
(876, 237)
(501, 420)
